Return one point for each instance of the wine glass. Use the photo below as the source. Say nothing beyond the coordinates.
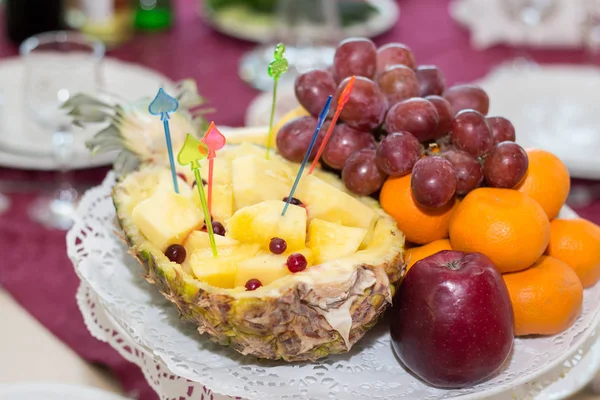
(530, 14)
(58, 65)
(310, 29)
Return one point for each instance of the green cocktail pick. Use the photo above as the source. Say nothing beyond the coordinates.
(191, 153)
(277, 67)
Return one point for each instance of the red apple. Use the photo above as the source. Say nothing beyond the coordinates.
(452, 319)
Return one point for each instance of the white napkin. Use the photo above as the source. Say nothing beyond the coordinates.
(490, 24)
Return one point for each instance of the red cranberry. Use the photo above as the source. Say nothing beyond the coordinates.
(253, 284)
(277, 245)
(218, 228)
(176, 253)
(182, 176)
(294, 201)
(296, 262)
(194, 184)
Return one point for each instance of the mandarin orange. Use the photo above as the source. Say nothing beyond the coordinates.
(507, 226)
(577, 243)
(546, 297)
(547, 181)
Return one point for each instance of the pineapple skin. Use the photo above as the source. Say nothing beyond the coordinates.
(288, 326)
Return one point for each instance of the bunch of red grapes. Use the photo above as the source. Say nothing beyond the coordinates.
(401, 119)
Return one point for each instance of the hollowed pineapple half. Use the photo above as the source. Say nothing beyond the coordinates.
(353, 249)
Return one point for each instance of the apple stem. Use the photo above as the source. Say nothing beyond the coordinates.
(453, 265)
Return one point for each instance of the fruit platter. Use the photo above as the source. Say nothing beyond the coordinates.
(422, 252)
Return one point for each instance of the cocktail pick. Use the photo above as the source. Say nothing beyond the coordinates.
(340, 105)
(191, 153)
(277, 67)
(214, 140)
(313, 140)
(162, 105)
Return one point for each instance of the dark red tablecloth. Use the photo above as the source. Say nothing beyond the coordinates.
(34, 266)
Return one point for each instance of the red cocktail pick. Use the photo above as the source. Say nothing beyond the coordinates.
(340, 105)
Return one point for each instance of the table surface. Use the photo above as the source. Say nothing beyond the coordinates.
(35, 269)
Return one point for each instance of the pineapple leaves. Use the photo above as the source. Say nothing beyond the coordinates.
(125, 127)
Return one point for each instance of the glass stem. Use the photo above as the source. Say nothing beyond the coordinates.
(62, 142)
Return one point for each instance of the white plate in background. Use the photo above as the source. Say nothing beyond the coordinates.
(553, 107)
(263, 29)
(25, 145)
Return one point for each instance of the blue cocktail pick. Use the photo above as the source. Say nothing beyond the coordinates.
(162, 105)
(313, 140)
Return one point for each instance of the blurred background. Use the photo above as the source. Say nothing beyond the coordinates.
(537, 59)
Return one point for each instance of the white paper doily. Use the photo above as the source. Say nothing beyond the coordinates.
(147, 330)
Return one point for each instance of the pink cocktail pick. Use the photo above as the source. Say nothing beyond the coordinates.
(214, 141)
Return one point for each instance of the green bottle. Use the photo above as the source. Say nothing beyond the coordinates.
(153, 15)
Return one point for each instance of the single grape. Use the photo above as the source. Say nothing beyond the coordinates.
(468, 97)
(312, 89)
(355, 56)
(433, 181)
(505, 165)
(296, 262)
(416, 115)
(470, 132)
(468, 171)
(366, 106)
(397, 153)
(361, 175)
(344, 141)
(502, 129)
(277, 245)
(253, 284)
(431, 80)
(218, 228)
(398, 83)
(445, 115)
(394, 54)
(294, 138)
(176, 253)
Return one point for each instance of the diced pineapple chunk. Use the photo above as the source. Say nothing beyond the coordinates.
(167, 218)
(257, 179)
(381, 240)
(222, 201)
(221, 171)
(329, 240)
(267, 267)
(244, 149)
(220, 271)
(325, 202)
(165, 184)
(261, 222)
(201, 240)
